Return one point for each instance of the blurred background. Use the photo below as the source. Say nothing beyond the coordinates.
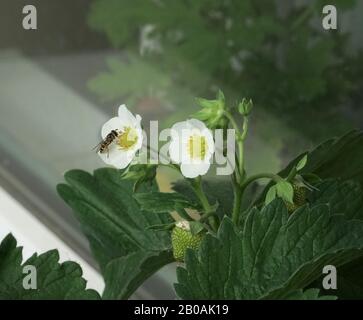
(61, 82)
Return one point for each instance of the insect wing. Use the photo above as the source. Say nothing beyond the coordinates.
(98, 146)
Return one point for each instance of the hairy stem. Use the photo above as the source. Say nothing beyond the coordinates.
(233, 122)
(243, 136)
(255, 177)
(206, 216)
(208, 209)
(237, 204)
(240, 190)
(238, 179)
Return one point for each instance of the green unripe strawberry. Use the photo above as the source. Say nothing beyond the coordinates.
(182, 238)
(299, 198)
(299, 195)
(291, 207)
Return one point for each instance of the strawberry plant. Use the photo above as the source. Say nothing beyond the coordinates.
(243, 244)
(233, 238)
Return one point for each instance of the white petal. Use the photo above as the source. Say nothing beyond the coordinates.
(126, 116)
(210, 141)
(194, 170)
(175, 151)
(178, 127)
(117, 158)
(138, 119)
(140, 139)
(196, 124)
(178, 148)
(112, 124)
(125, 160)
(178, 132)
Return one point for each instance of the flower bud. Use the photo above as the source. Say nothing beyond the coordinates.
(245, 107)
(212, 112)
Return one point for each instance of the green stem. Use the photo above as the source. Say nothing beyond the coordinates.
(208, 209)
(240, 190)
(244, 128)
(241, 170)
(239, 177)
(236, 205)
(255, 177)
(205, 216)
(241, 149)
(240, 139)
(233, 122)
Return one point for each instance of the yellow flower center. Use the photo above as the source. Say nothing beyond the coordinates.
(197, 147)
(127, 138)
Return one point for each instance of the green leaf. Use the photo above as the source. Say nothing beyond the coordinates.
(116, 227)
(310, 179)
(217, 191)
(161, 227)
(345, 197)
(336, 158)
(161, 202)
(271, 195)
(54, 280)
(132, 269)
(349, 281)
(196, 227)
(132, 80)
(285, 191)
(272, 256)
(340, 4)
(302, 163)
(309, 294)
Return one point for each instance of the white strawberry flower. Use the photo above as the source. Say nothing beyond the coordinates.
(191, 146)
(129, 138)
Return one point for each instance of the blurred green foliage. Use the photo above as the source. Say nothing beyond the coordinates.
(135, 74)
(273, 51)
